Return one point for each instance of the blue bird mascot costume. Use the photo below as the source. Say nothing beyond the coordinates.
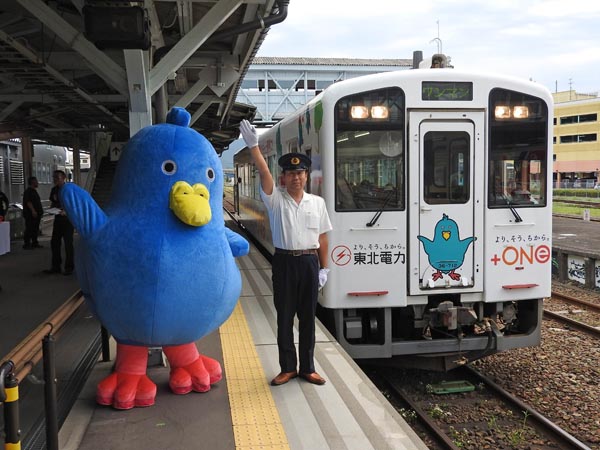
(157, 267)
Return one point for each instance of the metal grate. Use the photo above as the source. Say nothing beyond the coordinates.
(16, 175)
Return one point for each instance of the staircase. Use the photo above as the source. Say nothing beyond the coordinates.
(104, 181)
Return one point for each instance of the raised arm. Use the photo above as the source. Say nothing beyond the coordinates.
(251, 139)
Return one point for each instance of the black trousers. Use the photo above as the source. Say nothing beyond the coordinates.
(62, 230)
(295, 292)
(32, 230)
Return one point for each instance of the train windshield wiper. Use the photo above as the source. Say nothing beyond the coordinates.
(512, 209)
(375, 218)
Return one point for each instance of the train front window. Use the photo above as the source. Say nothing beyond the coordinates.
(369, 151)
(518, 144)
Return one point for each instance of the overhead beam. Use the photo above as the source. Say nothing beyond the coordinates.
(102, 65)
(14, 105)
(34, 58)
(199, 112)
(187, 45)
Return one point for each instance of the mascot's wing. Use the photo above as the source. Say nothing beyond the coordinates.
(426, 243)
(239, 246)
(83, 212)
(467, 241)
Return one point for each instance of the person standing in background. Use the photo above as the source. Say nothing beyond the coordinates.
(299, 223)
(32, 213)
(3, 205)
(62, 230)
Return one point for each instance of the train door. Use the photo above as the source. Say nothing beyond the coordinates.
(446, 200)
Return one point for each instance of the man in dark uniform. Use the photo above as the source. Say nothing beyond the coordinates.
(61, 230)
(3, 205)
(32, 213)
(299, 223)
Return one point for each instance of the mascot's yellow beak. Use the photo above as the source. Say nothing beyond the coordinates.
(190, 203)
(446, 235)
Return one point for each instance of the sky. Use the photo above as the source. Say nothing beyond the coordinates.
(553, 42)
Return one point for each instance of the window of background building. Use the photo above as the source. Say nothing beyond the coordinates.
(578, 119)
(569, 139)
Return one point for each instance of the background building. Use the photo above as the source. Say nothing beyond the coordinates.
(576, 144)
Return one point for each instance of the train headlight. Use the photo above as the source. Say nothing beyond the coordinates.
(379, 112)
(359, 112)
(520, 112)
(502, 112)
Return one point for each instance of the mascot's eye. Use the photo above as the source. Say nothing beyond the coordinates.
(169, 167)
(210, 174)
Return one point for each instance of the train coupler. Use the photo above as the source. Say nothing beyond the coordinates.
(449, 316)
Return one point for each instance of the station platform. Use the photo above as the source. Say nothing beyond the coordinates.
(576, 235)
(243, 411)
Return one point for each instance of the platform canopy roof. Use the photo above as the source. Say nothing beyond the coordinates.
(61, 75)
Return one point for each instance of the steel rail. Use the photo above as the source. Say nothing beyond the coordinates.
(569, 299)
(595, 332)
(542, 421)
(439, 434)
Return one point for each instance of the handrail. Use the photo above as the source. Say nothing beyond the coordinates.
(20, 361)
(29, 351)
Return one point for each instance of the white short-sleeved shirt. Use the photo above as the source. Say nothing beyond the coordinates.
(296, 226)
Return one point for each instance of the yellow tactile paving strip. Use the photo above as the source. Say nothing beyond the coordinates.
(256, 422)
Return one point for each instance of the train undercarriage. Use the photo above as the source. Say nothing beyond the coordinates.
(441, 335)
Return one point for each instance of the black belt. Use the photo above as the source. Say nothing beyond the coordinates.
(310, 251)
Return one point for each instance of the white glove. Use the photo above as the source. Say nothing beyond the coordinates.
(323, 277)
(248, 133)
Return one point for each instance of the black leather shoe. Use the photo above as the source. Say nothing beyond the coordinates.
(313, 378)
(50, 271)
(283, 378)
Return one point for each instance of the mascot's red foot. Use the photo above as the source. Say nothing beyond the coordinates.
(128, 385)
(125, 391)
(213, 367)
(191, 371)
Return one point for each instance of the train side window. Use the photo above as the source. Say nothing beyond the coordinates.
(369, 151)
(293, 145)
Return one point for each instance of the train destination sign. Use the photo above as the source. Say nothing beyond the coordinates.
(447, 91)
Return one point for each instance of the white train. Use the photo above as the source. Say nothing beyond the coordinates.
(438, 185)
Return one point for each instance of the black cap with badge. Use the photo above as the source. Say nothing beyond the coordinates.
(294, 161)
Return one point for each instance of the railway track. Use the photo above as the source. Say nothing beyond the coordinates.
(588, 204)
(587, 317)
(487, 416)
